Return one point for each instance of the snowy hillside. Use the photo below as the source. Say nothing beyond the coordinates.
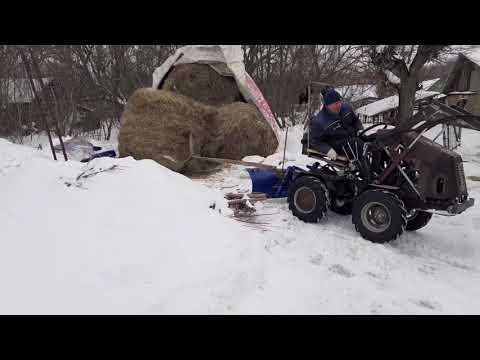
(140, 239)
(134, 240)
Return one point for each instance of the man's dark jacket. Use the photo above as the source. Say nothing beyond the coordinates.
(328, 129)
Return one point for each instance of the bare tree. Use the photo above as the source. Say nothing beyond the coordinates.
(32, 62)
(402, 65)
(113, 72)
(101, 78)
(283, 71)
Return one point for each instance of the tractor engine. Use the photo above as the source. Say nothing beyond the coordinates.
(440, 176)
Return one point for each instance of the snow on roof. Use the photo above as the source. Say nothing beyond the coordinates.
(19, 90)
(390, 102)
(357, 92)
(392, 77)
(427, 84)
(474, 56)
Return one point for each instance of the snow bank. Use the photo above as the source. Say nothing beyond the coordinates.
(140, 239)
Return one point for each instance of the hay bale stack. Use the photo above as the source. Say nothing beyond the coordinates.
(157, 125)
(203, 84)
(243, 132)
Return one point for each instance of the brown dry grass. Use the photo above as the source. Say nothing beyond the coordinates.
(202, 83)
(157, 125)
(243, 132)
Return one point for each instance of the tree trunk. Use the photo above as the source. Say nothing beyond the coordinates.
(109, 129)
(406, 99)
(36, 69)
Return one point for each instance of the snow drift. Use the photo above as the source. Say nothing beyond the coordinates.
(140, 239)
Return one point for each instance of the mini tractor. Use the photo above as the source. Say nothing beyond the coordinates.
(391, 185)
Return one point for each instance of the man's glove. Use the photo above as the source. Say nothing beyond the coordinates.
(332, 154)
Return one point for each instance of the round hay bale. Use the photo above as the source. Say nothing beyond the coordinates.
(156, 124)
(203, 84)
(244, 132)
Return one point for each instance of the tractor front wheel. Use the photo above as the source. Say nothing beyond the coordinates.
(308, 199)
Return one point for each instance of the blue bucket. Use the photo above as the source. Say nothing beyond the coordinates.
(264, 181)
(267, 181)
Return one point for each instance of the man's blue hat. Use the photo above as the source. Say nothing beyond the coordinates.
(331, 96)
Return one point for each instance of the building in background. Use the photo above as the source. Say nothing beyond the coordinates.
(386, 110)
(19, 110)
(462, 86)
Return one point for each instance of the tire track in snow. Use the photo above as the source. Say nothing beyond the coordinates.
(436, 258)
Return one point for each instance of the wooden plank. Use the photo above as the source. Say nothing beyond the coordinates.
(257, 196)
(243, 201)
(232, 196)
(237, 162)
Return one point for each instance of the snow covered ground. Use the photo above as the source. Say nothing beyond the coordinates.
(140, 239)
(328, 268)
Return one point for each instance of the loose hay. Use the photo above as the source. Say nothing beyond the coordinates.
(157, 125)
(243, 132)
(202, 83)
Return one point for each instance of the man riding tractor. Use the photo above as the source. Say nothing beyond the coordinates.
(335, 127)
(333, 133)
(390, 180)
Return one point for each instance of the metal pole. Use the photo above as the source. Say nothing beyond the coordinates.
(307, 122)
(440, 133)
(32, 85)
(52, 113)
(284, 148)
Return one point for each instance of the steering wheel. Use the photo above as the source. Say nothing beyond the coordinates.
(361, 134)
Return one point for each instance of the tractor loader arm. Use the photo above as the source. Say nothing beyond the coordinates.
(429, 116)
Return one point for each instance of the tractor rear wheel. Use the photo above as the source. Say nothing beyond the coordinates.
(308, 199)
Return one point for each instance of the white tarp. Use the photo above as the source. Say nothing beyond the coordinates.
(78, 148)
(232, 56)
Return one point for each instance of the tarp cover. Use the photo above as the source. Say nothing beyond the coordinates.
(77, 148)
(232, 57)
